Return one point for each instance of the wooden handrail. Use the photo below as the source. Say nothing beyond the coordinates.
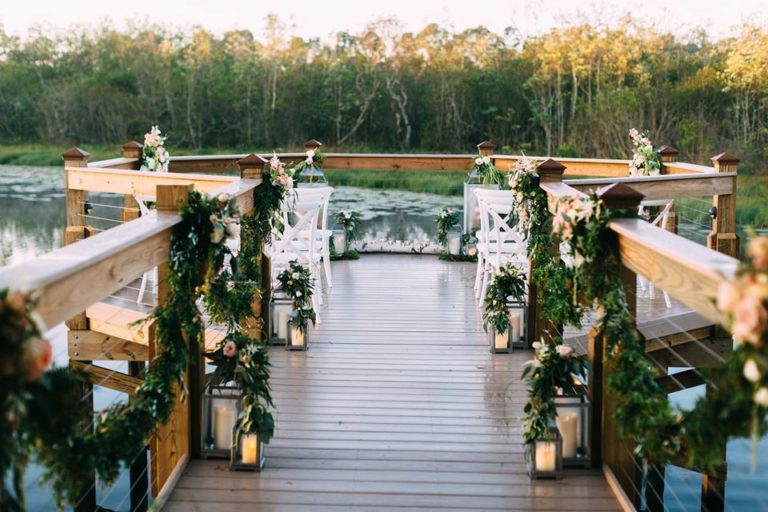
(73, 277)
(120, 181)
(668, 186)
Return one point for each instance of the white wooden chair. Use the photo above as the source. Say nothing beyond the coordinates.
(298, 242)
(504, 243)
(662, 221)
(323, 233)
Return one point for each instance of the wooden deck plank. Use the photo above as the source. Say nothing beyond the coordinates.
(398, 405)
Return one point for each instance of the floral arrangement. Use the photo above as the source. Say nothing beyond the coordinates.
(312, 157)
(484, 166)
(279, 175)
(549, 374)
(225, 219)
(154, 156)
(447, 219)
(349, 220)
(507, 285)
(523, 180)
(645, 160)
(296, 282)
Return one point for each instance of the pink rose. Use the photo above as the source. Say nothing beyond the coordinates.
(245, 359)
(38, 356)
(758, 251)
(564, 351)
(749, 318)
(230, 349)
(727, 297)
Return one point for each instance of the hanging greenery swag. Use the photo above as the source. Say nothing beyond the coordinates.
(296, 283)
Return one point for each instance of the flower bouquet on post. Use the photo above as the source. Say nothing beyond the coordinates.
(154, 156)
(349, 221)
(645, 160)
(484, 166)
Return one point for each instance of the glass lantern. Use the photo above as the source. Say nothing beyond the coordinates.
(221, 407)
(573, 414)
(247, 452)
(297, 334)
(279, 316)
(312, 176)
(545, 456)
(473, 182)
(515, 335)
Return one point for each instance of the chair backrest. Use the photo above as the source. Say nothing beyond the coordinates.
(297, 196)
(293, 238)
(141, 200)
(503, 238)
(662, 219)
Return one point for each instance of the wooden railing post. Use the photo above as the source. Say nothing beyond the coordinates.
(667, 154)
(723, 237)
(486, 148)
(131, 149)
(74, 231)
(615, 452)
(549, 171)
(174, 440)
(253, 167)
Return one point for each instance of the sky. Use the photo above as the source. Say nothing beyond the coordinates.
(321, 18)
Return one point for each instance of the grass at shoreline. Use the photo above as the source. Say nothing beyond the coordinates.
(752, 197)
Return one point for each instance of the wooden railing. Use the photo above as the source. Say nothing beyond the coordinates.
(73, 282)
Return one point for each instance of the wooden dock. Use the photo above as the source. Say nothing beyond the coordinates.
(398, 405)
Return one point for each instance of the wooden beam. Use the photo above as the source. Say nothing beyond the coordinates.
(702, 354)
(119, 322)
(121, 181)
(107, 378)
(682, 380)
(95, 346)
(666, 187)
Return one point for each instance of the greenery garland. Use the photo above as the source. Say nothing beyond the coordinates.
(296, 283)
(447, 219)
(508, 284)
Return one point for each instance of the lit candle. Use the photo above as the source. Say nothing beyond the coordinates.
(339, 242)
(248, 448)
(282, 324)
(501, 340)
(297, 337)
(514, 323)
(223, 423)
(545, 456)
(454, 244)
(567, 425)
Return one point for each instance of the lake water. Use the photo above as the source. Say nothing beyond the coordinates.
(32, 216)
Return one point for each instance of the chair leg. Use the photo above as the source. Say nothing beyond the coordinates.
(484, 288)
(327, 269)
(667, 300)
(142, 288)
(478, 273)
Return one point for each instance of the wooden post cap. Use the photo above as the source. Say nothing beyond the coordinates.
(486, 144)
(131, 149)
(668, 153)
(75, 154)
(252, 166)
(312, 144)
(550, 170)
(619, 196)
(726, 158)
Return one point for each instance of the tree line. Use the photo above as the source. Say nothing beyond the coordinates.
(573, 91)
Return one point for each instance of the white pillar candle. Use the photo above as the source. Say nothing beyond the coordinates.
(223, 423)
(454, 244)
(567, 425)
(282, 324)
(501, 340)
(248, 448)
(297, 337)
(339, 242)
(545, 456)
(514, 326)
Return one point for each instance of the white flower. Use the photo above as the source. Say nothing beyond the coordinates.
(308, 161)
(486, 160)
(751, 371)
(761, 396)
(295, 275)
(223, 197)
(479, 161)
(298, 293)
(311, 154)
(565, 351)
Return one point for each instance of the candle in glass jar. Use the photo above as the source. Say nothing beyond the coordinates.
(545, 456)
(567, 425)
(514, 326)
(454, 243)
(223, 423)
(248, 448)
(501, 340)
(282, 324)
(297, 337)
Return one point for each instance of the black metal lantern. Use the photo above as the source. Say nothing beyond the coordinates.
(515, 335)
(221, 407)
(247, 452)
(297, 334)
(545, 456)
(573, 413)
(281, 309)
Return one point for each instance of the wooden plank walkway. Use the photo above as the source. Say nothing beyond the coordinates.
(398, 405)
